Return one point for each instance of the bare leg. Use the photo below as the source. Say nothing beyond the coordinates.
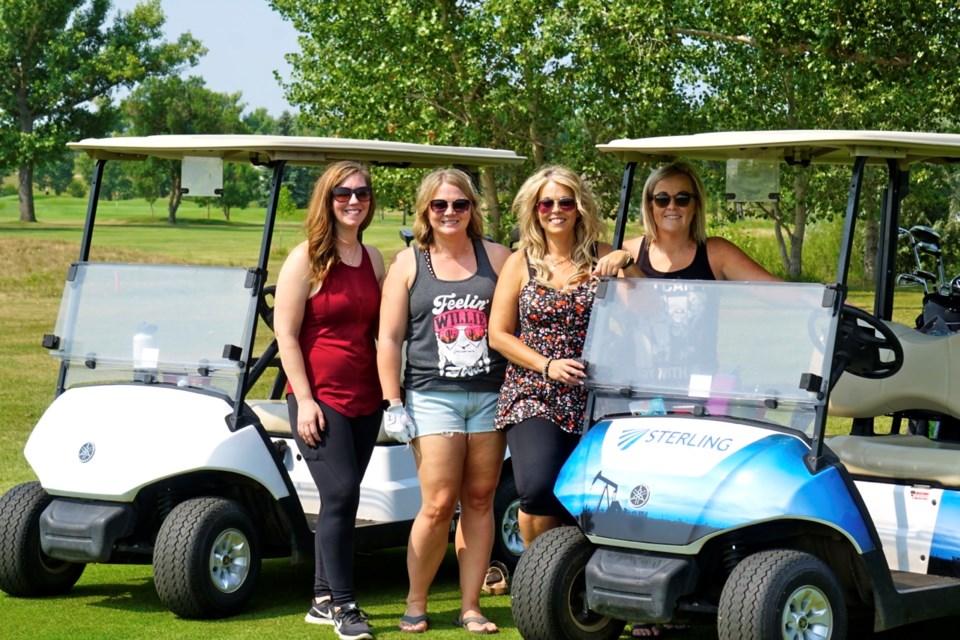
(440, 470)
(475, 530)
(533, 526)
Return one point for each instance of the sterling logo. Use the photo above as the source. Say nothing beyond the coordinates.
(639, 495)
(86, 451)
(630, 437)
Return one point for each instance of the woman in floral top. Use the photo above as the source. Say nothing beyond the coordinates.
(547, 289)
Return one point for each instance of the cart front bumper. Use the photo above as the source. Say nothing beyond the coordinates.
(636, 586)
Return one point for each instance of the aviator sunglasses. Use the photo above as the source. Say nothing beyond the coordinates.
(449, 335)
(682, 199)
(441, 206)
(342, 194)
(567, 204)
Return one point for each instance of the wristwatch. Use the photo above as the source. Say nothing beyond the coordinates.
(629, 263)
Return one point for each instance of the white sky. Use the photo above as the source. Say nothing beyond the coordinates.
(245, 40)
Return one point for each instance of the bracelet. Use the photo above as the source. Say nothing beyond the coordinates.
(629, 263)
(546, 370)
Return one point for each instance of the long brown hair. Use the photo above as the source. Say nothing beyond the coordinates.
(422, 230)
(320, 225)
(589, 230)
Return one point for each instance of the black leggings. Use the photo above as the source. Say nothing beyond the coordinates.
(337, 466)
(538, 448)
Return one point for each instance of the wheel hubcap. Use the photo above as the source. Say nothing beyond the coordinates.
(229, 560)
(807, 615)
(510, 529)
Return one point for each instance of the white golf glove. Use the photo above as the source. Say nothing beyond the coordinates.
(397, 424)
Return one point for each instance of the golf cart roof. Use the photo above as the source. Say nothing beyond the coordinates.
(295, 150)
(793, 146)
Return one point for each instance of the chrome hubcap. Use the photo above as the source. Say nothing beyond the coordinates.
(229, 560)
(807, 615)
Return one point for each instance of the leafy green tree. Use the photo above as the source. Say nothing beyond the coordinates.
(61, 63)
(173, 105)
(56, 173)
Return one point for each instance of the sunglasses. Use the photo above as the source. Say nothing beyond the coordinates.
(566, 204)
(682, 199)
(459, 206)
(449, 335)
(343, 194)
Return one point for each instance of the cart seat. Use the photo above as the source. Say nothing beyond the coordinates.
(275, 419)
(900, 457)
(927, 381)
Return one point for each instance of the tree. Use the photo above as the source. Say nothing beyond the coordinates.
(56, 173)
(61, 64)
(173, 105)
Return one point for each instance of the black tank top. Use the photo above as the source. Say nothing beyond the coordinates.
(699, 269)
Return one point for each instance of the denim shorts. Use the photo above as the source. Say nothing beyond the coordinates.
(449, 412)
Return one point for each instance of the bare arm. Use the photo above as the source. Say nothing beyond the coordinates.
(729, 262)
(612, 262)
(293, 289)
(394, 307)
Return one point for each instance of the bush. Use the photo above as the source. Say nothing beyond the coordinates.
(76, 189)
(7, 190)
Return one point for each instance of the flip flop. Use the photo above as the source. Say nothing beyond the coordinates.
(463, 622)
(414, 621)
(495, 582)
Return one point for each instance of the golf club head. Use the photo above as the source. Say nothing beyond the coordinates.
(925, 275)
(955, 286)
(909, 280)
(926, 234)
(930, 249)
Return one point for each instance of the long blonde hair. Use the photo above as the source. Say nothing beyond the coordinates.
(320, 224)
(588, 230)
(698, 228)
(422, 231)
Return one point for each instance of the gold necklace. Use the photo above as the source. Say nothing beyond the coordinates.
(453, 256)
(355, 255)
(554, 262)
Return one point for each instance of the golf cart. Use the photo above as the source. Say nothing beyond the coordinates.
(153, 450)
(705, 488)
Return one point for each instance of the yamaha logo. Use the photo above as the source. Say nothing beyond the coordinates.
(639, 496)
(87, 451)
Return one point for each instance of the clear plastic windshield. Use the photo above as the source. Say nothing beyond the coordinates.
(711, 348)
(165, 324)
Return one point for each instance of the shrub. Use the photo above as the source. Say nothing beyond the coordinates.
(76, 189)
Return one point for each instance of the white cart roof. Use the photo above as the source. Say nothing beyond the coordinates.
(295, 150)
(793, 146)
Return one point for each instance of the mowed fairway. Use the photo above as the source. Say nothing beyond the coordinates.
(112, 601)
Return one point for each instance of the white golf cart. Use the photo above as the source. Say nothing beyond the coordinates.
(705, 487)
(152, 450)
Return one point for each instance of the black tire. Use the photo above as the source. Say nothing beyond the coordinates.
(207, 558)
(782, 594)
(25, 570)
(507, 543)
(549, 591)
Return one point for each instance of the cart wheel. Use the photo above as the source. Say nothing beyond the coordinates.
(25, 570)
(782, 594)
(549, 591)
(207, 558)
(508, 544)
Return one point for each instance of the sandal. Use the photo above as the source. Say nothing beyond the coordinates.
(495, 583)
(413, 621)
(654, 630)
(481, 620)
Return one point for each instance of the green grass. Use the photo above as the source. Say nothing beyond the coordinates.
(120, 601)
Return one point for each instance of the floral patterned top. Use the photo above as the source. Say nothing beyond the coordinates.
(554, 323)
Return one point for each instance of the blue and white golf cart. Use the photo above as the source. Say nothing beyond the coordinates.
(154, 450)
(705, 488)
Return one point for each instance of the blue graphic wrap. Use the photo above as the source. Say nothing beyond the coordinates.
(675, 480)
(945, 546)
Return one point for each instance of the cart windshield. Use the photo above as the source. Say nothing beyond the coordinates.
(164, 324)
(710, 348)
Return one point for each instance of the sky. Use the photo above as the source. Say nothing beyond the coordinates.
(245, 40)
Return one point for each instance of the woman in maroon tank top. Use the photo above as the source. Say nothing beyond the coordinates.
(325, 320)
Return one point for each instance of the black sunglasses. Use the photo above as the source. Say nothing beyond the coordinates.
(459, 206)
(343, 194)
(566, 204)
(682, 199)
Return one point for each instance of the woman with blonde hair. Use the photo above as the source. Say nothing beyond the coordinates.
(325, 319)
(437, 298)
(546, 289)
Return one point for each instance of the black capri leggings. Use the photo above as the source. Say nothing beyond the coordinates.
(337, 465)
(538, 448)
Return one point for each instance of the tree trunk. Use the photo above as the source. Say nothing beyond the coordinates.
(174, 202)
(801, 184)
(871, 239)
(25, 191)
(491, 200)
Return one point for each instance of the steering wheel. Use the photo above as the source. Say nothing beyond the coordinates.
(859, 347)
(265, 307)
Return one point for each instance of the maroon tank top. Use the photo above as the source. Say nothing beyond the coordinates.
(337, 339)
